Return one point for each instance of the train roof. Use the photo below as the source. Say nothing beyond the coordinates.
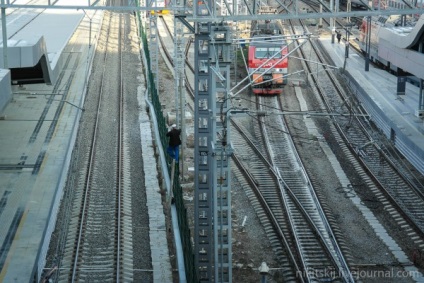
(265, 28)
(395, 21)
(402, 31)
(263, 40)
(404, 36)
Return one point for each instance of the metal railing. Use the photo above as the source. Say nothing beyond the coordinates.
(183, 223)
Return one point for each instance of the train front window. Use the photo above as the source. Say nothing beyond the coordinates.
(275, 52)
(263, 52)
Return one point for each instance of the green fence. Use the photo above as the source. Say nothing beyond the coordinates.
(177, 190)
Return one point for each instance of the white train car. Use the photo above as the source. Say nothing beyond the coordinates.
(394, 4)
(394, 44)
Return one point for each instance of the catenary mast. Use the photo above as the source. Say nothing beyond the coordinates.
(212, 150)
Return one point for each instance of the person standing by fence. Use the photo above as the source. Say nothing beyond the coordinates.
(174, 142)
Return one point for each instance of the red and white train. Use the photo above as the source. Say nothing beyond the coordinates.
(267, 59)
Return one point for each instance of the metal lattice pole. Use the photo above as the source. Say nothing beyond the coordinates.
(220, 63)
(153, 43)
(204, 138)
(179, 65)
(212, 207)
(204, 127)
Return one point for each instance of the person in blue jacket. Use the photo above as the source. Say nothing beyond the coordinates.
(174, 142)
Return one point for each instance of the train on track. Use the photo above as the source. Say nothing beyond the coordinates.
(267, 57)
(356, 4)
(359, 4)
(382, 29)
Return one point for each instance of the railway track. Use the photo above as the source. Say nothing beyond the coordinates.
(403, 205)
(378, 156)
(99, 240)
(364, 148)
(392, 178)
(287, 207)
(306, 214)
(289, 222)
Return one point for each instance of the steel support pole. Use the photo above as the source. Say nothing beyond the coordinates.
(183, 127)
(4, 33)
(368, 45)
(332, 27)
(421, 99)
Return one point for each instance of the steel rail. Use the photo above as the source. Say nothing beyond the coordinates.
(330, 246)
(259, 195)
(340, 263)
(90, 166)
(255, 186)
(362, 128)
(120, 154)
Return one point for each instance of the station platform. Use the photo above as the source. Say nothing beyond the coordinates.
(35, 45)
(38, 128)
(376, 89)
(37, 132)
